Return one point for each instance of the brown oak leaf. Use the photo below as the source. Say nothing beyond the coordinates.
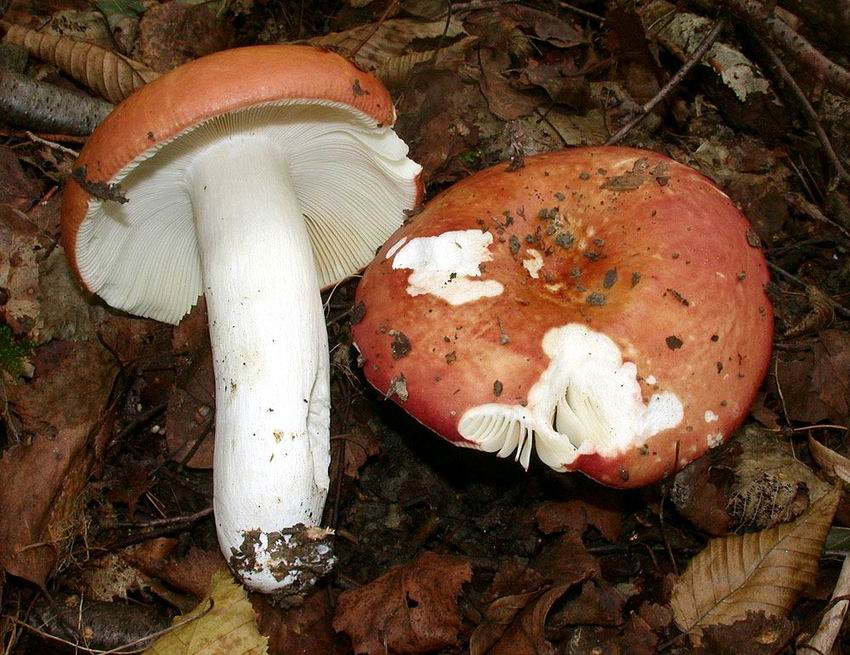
(410, 609)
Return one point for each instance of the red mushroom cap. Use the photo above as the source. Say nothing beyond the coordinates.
(606, 305)
(220, 83)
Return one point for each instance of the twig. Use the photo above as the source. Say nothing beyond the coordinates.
(808, 111)
(171, 520)
(819, 426)
(51, 144)
(844, 311)
(830, 625)
(763, 21)
(674, 81)
(118, 649)
(56, 138)
(581, 12)
(139, 421)
(384, 16)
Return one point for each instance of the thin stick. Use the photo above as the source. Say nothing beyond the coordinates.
(61, 138)
(830, 625)
(808, 111)
(169, 520)
(51, 144)
(380, 22)
(674, 81)
(838, 306)
(765, 22)
(581, 12)
(117, 649)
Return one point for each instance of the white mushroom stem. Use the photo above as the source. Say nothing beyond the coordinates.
(270, 356)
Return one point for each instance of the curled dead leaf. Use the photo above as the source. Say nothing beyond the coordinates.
(376, 45)
(831, 462)
(40, 498)
(223, 622)
(111, 75)
(757, 572)
(514, 625)
(410, 609)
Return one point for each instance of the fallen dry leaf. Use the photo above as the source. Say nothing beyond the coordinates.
(223, 622)
(410, 609)
(519, 599)
(357, 449)
(597, 604)
(603, 512)
(514, 625)
(566, 560)
(638, 637)
(545, 25)
(173, 33)
(387, 49)
(503, 99)
(302, 630)
(814, 384)
(760, 571)
(109, 577)
(189, 428)
(17, 187)
(513, 577)
(750, 483)
(20, 242)
(833, 464)
(755, 634)
(40, 496)
(191, 574)
(111, 75)
(637, 67)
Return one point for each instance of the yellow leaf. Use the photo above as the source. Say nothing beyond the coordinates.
(223, 623)
(760, 571)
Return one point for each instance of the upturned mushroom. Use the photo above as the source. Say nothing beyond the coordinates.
(256, 177)
(605, 307)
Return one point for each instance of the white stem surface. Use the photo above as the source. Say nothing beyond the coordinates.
(270, 354)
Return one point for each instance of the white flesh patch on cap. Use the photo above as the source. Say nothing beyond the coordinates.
(353, 181)
(714, 440)
(586, 401)
(710, 416)
(534, 263)
(444, 266)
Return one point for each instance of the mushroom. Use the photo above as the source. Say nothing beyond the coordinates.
(254, 176)
(604, 306)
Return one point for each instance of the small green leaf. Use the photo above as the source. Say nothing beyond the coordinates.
(838, 539)
(12, 352)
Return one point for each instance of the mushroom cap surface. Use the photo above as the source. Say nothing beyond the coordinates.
(616, 278)
(245, 89)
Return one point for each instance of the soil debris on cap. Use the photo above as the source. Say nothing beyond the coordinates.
(100, 190)
(398, 387)
(400, 345)
(674, 342)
